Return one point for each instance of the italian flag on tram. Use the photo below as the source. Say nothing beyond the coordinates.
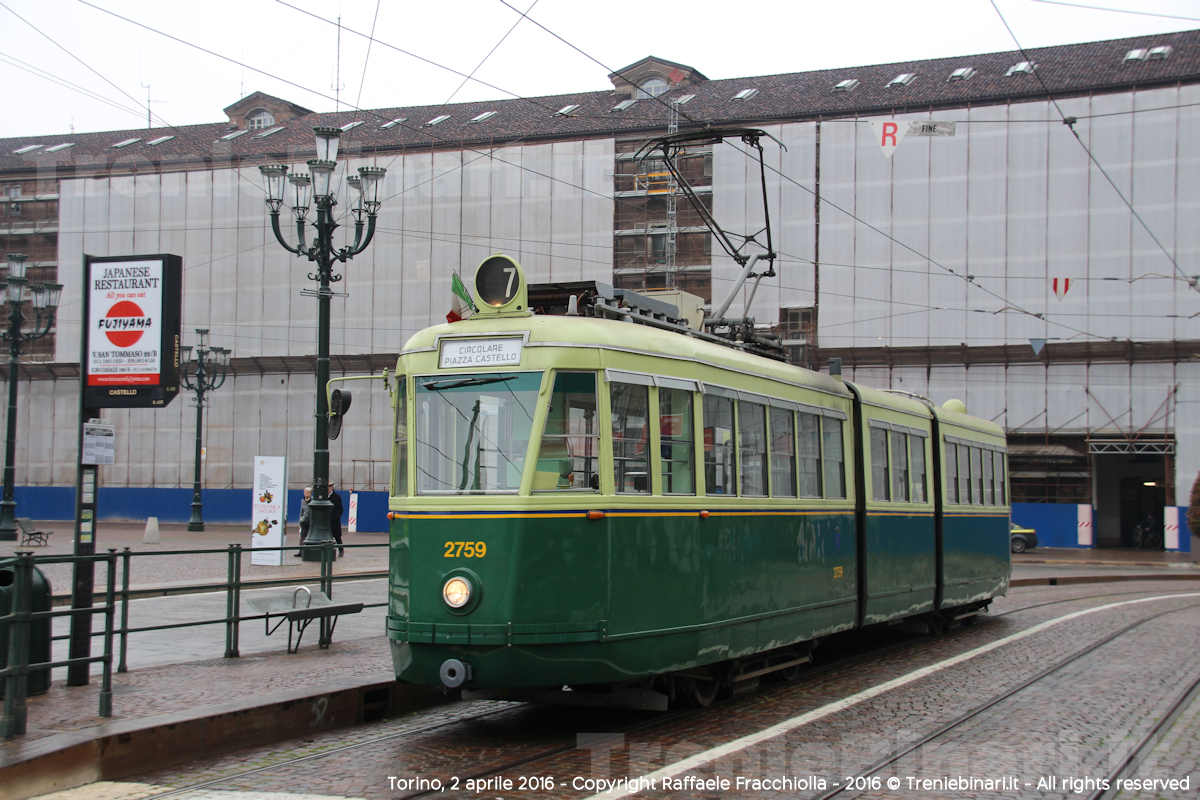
(462, 306)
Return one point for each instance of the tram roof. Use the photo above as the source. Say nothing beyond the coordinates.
(607, 334)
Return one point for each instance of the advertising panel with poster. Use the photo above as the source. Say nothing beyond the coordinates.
(268, 510)
(131, 330)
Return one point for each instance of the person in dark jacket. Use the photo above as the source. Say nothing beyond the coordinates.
(305, 518)
(335, 516)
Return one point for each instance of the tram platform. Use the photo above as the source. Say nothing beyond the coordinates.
(181, 700)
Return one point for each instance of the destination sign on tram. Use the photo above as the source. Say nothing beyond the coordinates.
(458, 353)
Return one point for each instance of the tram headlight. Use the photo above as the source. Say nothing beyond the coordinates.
(456, 592)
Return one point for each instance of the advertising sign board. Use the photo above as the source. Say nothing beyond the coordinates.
(131, 321)
(268, 510)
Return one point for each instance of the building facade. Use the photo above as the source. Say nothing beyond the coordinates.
(1033, 258)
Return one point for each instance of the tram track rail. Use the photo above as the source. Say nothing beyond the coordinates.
(669, 717)
(944, 729)
(1129, 765)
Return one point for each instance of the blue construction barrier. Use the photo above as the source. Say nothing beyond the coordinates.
(221, 506)
(1057, 524)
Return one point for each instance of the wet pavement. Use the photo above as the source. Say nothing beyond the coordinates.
(183, 670)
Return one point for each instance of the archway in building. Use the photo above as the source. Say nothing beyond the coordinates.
(1140, 498)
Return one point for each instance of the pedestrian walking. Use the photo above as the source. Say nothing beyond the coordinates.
(335, 517)
(305, 518)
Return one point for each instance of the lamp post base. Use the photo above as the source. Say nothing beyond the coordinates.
(8, 520)
(310, 552)
(196, 523)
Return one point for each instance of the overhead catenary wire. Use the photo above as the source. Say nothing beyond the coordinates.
(185, 134)
(1067, 121)
(1116, 10)
(491, 154)
(968, 278)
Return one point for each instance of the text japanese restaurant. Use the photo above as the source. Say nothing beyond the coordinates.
(131, 340)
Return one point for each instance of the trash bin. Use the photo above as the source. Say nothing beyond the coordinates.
(38, 680)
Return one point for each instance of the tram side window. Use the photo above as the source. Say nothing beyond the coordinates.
(879, 464)
(1001, 498)
(810, 455)
(752, 435)
(568, 457)
(400, 442)
(899, 446)
(783, 453)
(989, 492)
(917, 444)
(951, 473)
(964, 474)
(976, 477)
(678, 431)
(630, 430)
(835, 460)
(719, 474)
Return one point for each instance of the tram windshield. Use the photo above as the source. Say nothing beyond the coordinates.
(472, 431)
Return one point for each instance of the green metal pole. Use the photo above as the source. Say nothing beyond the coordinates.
(237, 600)
(196, 523)
(125, 558)
(230, 647)
(109, 609)
(8, 506)
(320, 529)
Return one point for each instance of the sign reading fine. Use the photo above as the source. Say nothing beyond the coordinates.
(131, 330)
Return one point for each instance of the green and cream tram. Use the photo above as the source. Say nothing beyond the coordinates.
(640, 512)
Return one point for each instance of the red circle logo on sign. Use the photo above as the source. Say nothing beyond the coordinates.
(120, 313)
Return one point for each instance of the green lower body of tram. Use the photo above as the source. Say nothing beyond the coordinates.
(627, 597)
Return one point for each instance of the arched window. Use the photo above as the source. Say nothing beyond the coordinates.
(652, 88)
(259, 119)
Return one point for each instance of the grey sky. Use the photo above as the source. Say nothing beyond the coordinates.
(116, 59)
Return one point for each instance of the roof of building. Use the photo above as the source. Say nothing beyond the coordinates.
(1062, 71)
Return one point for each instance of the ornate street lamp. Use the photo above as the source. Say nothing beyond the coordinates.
(204, 370)
(318, 188)
(45, 299)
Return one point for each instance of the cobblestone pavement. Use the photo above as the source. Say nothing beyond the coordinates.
(1059, 726)
(156, 565)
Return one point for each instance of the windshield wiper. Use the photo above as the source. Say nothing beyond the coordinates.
(437, 386)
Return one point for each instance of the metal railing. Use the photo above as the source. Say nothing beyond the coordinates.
(21, 621)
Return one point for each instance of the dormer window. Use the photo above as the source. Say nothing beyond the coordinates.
(903, 79)
(259, 119)
(848, 85)
(624, 104)
(655, 87)
(962, 74)
(1021, 68)
(1159, 53)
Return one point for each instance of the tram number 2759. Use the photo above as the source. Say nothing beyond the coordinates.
(465, 550)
